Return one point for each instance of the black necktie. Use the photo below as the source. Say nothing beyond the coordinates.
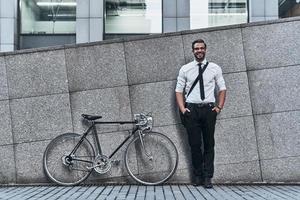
(201, 83)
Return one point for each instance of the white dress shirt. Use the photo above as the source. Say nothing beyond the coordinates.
(212, 76)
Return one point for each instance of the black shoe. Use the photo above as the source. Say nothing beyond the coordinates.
(207, 183)
(198, 180)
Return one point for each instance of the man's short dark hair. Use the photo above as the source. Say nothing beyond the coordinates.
(198, 41)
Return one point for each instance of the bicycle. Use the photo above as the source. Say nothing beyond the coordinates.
(151, 158)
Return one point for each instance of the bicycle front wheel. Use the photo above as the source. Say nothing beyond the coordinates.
(151, 160)
(63, 168)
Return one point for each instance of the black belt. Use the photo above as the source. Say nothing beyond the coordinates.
(201, 105)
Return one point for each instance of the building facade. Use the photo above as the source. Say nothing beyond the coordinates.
(39, 23)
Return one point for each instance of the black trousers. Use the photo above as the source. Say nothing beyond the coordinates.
(200, 125)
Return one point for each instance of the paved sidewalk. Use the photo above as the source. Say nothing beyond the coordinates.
(168, 192)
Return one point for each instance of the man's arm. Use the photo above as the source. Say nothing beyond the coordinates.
(222, 90)
(221, 101)
(180, 102)
(221, 98)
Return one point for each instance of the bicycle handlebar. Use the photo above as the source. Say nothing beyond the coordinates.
(144, 120)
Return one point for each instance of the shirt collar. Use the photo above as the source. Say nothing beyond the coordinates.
(203, 62)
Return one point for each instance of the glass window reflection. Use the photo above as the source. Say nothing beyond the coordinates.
(289, 8)
(209, 13)
(133, 16)
(48, 16)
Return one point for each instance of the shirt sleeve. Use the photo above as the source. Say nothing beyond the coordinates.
(220, 80)
(181, 81)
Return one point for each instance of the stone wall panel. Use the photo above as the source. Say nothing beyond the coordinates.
(5, 124)
(272, 45)
(111, 103)
(237, 172)
(237, 102)
(96, 67)
(3, 80)
(154, 60)
(29, 162)
(275, 90)
(235, 141)
(157, 98)
(278, 134)
(39, 118)
(37, 73)
(7, 165)
(281, 169)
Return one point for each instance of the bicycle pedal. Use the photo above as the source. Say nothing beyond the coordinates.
(115, 162)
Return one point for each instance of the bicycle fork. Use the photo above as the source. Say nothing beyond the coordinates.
(141, 135)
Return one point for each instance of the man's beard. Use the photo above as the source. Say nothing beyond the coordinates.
(199, 58)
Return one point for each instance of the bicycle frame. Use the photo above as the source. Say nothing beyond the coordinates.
(70, 158)
(97, 142)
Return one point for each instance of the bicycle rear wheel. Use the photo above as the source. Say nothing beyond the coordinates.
(64, 169)
(155, 163)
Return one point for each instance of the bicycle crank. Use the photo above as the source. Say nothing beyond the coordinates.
(101, 164)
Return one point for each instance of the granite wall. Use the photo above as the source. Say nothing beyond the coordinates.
(44, 91)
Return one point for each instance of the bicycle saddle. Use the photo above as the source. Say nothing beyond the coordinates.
(91, 117)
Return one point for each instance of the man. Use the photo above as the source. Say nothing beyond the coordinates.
(195, 97)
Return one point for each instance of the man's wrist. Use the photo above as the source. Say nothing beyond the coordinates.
(182, 110)
(219, 107)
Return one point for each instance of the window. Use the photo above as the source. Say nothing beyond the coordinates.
(208, 13)
(133, 16)
(289, 8)
(48, 16)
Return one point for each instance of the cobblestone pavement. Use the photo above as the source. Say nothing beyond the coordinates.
(169, 192)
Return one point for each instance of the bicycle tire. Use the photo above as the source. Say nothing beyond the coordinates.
(55, 165)
(158, 170)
